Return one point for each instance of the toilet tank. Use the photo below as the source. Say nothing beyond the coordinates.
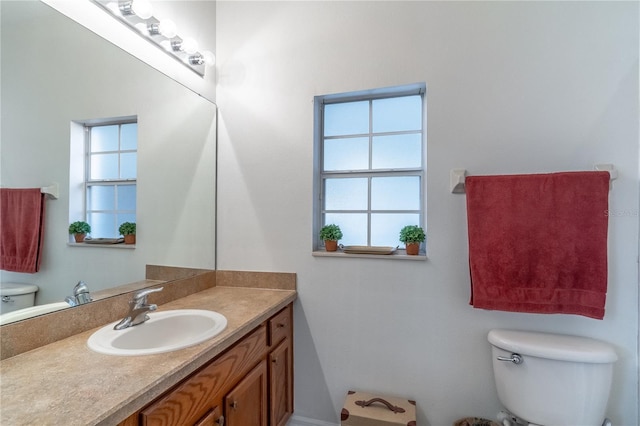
(14, 296)
(562, 380)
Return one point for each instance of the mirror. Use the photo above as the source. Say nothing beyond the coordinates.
(55, 72)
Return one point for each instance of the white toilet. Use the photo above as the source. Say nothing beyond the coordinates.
(14, 296)
(551, 379)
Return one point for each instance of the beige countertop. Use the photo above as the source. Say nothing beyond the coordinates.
(66, 383)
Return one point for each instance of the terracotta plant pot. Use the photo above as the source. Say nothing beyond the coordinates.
(413, 248)
(79, 237)
(331, 245)
(130, 239)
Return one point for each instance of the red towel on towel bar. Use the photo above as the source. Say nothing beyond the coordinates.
(21, 229)
(538, 243)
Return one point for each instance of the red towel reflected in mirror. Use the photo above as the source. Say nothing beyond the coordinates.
(22, 214)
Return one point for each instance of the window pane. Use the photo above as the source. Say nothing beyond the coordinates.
(349, 118)
(346, 154)
(397, 114)
(102, 225)
(395, 193)
(126, 197)
(352, 225)
(100, 197)
(104, 166)
(385, 228)
(129, 136)
(104, 138)
(345, 194)
(128, 165)
(397, 151)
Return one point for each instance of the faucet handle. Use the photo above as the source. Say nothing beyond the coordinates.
(140, 297)
(80, 288)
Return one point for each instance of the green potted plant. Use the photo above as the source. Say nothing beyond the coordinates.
(128, 230)
(330, 234)
(79, 229)
(412, 236)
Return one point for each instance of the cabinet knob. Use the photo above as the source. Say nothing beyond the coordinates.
(275, 360)
(220, 421)
(234, 405)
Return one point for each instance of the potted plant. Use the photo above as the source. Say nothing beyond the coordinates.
(128, 230)
(79, 229)
(330, 234)
(412, 236)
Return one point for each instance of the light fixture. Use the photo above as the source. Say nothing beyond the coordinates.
(206, 58)
(209, 58)
(165, 27)
(189, 45)
(142, 8)
(138, 15)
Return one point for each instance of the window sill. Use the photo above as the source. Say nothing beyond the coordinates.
(109, 246)
(398, 255)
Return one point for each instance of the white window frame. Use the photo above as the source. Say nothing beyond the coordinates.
(319, 174)
(88, 182)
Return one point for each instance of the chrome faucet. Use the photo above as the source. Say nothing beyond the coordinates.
(138, 308)
(80, 296)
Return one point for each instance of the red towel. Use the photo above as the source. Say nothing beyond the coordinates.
(21, 229)
(538, 243)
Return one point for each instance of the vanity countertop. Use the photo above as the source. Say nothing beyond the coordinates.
(67, 383)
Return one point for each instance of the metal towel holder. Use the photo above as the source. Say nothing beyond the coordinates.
(457, 176)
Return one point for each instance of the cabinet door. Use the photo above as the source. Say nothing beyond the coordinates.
(195, 396)
(246, 404)
(281, 384)
(212, 418)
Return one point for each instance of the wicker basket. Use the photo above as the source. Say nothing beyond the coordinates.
(475, 421)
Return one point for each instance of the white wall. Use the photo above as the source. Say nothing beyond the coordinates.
(55, 71)
(511, 88)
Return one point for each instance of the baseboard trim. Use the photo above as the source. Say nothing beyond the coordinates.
(305, 421)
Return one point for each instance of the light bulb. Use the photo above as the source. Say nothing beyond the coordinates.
(114, 8)
(189, 45)
(209, 58)
(142, 8)
(167, 28)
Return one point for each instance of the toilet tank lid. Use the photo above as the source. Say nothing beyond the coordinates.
(553, 346)
(16, 289)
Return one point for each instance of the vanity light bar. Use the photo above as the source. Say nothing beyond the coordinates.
(160, 33)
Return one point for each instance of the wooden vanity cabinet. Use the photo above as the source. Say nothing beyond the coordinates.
(251, 383)
(281, 367)
(246, 403)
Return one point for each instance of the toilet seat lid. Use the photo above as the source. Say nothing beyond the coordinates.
(16, 289)
(554, 346)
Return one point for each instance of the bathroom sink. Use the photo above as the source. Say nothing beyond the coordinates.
(165, 331)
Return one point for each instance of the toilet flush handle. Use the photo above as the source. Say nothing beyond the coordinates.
(514, 358)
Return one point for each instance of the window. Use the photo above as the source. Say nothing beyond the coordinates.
(370, 164)
(110, 176)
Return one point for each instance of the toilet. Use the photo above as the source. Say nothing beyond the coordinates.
(551, 379)
(14, 296)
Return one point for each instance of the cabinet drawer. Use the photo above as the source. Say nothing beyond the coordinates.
(191, 400)
(280, 326)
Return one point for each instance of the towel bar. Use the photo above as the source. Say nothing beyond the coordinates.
(53, 191)
(457, 176)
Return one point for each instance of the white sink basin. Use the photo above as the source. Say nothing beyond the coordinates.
(164, 332)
